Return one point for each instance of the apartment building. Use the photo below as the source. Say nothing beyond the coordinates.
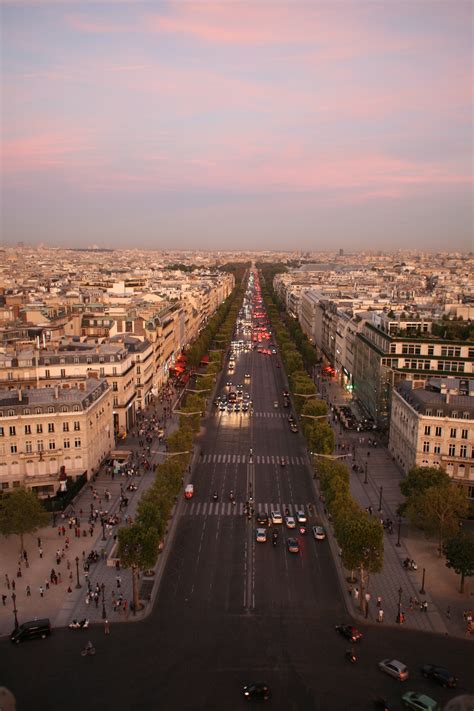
(47, 434)
(433, 426)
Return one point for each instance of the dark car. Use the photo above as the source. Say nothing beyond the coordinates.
(33, 629)
(439, 674)
(257, 691)
(349, 632)
(262, 519)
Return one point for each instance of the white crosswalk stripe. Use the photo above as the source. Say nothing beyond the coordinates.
(243, 459)
(225, 508)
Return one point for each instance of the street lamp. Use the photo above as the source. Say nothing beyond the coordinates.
(78, 584)
(422, 589)
(365, 477)
(398, 544)
(102, 520)
(104, 614)
(15, 610)
(399, 614)
(380, 499)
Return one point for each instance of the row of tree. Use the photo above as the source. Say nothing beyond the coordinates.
(139, 543)
(359, 535)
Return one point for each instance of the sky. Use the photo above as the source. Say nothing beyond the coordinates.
(254, 125)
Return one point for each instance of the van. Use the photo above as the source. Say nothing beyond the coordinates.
(189, 491)
(30, 630)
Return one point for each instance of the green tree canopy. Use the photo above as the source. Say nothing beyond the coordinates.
(21, 512)
(419, 479)
(459, 552)
(439, 509)
(137, 549)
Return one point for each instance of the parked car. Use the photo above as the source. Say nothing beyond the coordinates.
(257, 690)
(34, 629)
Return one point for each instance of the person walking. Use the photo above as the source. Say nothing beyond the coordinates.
(379, 601)
(7, 581)
(4, 600)
(28, 591)
(380, 615)
(40, 551)
(106, 627)
(41, 591)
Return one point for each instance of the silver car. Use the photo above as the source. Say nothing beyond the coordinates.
(394, 668)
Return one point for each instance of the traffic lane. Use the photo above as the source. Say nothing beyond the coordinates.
(221, 478)
(206, 566)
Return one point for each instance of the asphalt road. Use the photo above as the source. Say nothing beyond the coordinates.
(231, 610)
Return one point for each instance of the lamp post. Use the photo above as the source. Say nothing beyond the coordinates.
(422, 589)
(380, 499)
(102, 521)
(15, 610)
(398, 544)
(399, 614)
(365, 470)
(104, 614)
(78, 584)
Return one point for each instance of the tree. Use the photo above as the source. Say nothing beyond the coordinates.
(320, 437)
(419, 479)
(439, 509)
(360, 537)
(459, 552)
(314, 408)
(137, 549)
(21, 512)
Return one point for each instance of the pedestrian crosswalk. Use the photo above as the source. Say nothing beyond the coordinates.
(226, 508)
(244, 459)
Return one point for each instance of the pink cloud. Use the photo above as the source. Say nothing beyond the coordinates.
(44, 151)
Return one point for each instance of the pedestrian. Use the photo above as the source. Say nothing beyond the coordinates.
(106, 627)
(380, 615)
(47, 584)
(448, 612)
(379, 601)
(118, 581)
(41, 591)
(4, 600)
(57, 578)
(69, 589)
(39, 542)
(40, 551)
(18, 572)
(28, 591)
(7, 581)
(13, 584)
(356, 594)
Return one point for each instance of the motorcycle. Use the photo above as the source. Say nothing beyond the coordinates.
(215, 496)
(351, 656)
(79, 624)
(282, 462)
(302, 530)
(409, 564)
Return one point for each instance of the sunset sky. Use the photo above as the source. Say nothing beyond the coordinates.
(266, 125)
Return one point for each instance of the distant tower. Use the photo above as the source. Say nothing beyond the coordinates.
(341, 252)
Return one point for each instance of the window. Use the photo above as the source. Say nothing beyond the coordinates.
(427, 430)
(76, 360)
(77, 426)
(464, 434)
(439, 413)
(470, 352)
(463, 450)
(2, 433)
(27, 429)
(77, 442)
(115, 403)
(63, 372)
(28, 447)
(438, 431)
(13, 448)
(452, 450)
(39, 445)
(114, 370)
(10, 376)
(52, 444)
(50, 426)
(138, 370)
(66, 444)
(437, 449)
(465, 416)
(393, 348)
(115, 386)
(12, 431)
(102, 372)
(430, 350)
(39, 429)
(426, 446)
(453, 433)
(65, 426)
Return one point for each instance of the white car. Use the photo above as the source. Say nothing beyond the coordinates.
(290, 522)
(261, 535)
(319, 533)
(276, 517)
(301, 517)
(394, 668)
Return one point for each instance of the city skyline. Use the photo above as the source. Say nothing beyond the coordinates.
(226, 126)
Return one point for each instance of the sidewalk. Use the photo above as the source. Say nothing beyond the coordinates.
(446, 606)
(65, 601)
